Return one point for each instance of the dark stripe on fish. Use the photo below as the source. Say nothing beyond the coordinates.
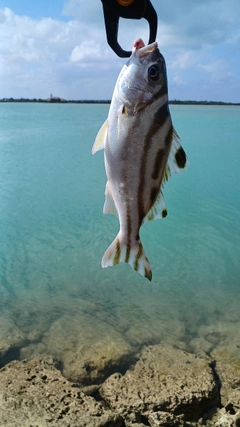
(129, 230)
(161, 153)
(118, 253)
(160, 93)
(153, 194)
(169, 137)
(125, 156)
(159, 119)
(158, 163)
(137, 258)
(148, 274)
(128, 250)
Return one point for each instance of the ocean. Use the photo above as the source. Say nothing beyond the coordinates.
(54, 295)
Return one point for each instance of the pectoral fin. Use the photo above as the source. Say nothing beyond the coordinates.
(177, 159)
(101, 138)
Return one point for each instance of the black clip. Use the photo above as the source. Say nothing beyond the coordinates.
(130, 9)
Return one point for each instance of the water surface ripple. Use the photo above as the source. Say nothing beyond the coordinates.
(53, 235)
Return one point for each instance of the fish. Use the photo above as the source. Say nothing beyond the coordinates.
(141, 151)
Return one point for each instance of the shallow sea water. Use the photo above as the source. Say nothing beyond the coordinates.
(53, 235)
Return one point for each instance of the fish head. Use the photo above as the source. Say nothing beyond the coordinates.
(143, 79)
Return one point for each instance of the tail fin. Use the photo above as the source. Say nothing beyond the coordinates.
(134, 255)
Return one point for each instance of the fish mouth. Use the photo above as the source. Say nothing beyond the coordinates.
(140, 50)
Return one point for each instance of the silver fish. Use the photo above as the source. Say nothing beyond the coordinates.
(141, 150)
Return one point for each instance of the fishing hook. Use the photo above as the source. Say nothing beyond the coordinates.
(129, 9)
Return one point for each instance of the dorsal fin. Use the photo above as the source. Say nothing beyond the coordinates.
(158, 210)
(177, 158)
(101, 138)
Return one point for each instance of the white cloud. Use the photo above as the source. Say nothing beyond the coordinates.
(84, 50)
(200, 42)
(215, 66)
(36, 53)
(83, 11)
(30, 40)
(179, 81)
(184, 60)
(194, 24)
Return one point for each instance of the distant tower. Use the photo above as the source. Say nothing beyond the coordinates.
(51, 96)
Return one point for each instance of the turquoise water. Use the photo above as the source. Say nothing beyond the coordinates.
(53, 235)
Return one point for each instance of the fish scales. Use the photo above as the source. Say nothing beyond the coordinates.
(141, 150)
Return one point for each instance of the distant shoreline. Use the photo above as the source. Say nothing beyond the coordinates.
(86, 101)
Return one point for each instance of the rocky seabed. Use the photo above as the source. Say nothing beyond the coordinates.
(85, 372)
(165, 385)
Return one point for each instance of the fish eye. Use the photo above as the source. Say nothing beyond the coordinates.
(153, 73)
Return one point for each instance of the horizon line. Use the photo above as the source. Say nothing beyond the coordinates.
(59, 100)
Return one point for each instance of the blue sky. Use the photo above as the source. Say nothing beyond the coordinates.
(60, 47)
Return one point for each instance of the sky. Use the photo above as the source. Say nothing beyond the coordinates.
(59, 47)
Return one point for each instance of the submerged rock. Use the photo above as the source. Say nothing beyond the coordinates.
(222, 418)
(89, 351)
(166, 387)
(11, 339)
(199, 345)
(165, 379)
(35, 393)
(225, 419)
(222, 335)
(228, 371)
(165, 419)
